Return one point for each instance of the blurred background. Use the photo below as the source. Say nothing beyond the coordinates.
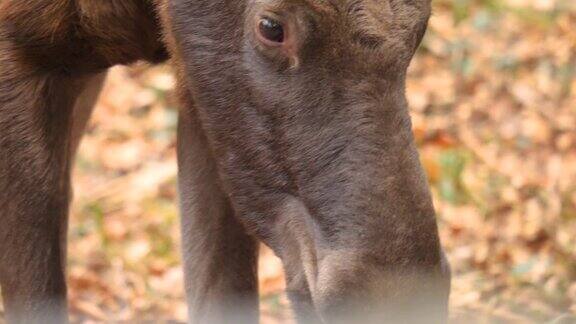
(493, 98)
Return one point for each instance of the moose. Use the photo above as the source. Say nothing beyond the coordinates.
(293, 131)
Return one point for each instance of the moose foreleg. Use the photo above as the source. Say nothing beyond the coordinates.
(37, 130)
(220, 259)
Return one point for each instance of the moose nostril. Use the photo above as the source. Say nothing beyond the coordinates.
(342, 288)
(353, 288)
(341, 310)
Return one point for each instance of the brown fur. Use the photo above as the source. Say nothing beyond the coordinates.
(307, 147)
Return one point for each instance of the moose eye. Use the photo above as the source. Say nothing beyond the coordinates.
(271, 30)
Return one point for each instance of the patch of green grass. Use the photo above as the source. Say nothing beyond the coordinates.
(273, 302)
(451, 186)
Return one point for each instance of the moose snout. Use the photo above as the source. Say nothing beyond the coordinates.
(355, 287)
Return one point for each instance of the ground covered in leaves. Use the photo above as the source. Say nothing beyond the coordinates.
(493, 97)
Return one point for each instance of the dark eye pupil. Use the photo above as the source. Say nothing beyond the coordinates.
(271, 30)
